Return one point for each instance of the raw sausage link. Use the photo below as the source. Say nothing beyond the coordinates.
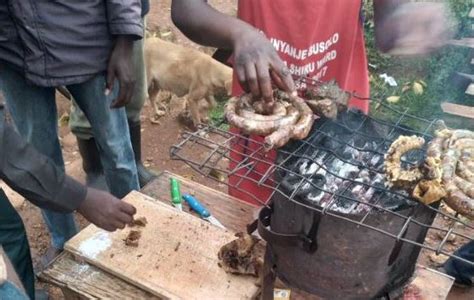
(464, 172)
(305, 123)
(465, 186)
(291, 121)
(249, 126)
(459, 201)
(278, 138)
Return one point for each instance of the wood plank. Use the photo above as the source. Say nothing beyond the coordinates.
(432, 284)
(458, 110)
(464, 42)
(233, 213)
(176, 257)
(89, 282)
(470, 89)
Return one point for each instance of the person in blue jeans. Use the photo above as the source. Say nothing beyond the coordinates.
(86, 141)
(462, 272)
(37, 178)
(87, 47)
(10, 284)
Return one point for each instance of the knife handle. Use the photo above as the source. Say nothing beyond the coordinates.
(175, 191)
(196, 206)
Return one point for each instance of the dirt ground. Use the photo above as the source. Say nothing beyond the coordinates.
(157, 139)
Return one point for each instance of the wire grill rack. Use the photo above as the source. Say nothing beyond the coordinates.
(209, 151)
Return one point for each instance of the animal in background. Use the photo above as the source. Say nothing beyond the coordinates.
(187, 73)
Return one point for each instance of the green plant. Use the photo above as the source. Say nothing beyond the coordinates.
(217, 113)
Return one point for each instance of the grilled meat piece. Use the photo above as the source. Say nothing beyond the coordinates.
(397, 175)
(242, 256)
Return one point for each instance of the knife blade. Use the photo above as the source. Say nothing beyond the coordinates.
(201, 210)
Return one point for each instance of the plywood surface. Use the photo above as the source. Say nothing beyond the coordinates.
(432, 284)
(465, 42)
(458, 110)
(176, 257)
(86, 281)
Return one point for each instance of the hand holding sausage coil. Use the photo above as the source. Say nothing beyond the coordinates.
(290, 119)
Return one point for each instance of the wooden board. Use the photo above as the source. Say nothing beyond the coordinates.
(85, 281)
(432, 284)
(465, 42)
(458, 116)
(81, 280)
(176, 257)
(458, 110)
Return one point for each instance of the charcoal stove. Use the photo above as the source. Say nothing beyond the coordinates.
(327, 256)
(333, 227)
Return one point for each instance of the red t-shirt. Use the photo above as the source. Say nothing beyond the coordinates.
(321, 39)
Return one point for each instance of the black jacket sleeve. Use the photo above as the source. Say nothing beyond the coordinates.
(124, 18)
(35, 176)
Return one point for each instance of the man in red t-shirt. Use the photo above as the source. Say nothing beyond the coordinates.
(321, 39)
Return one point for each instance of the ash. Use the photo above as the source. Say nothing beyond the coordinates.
(340, 166)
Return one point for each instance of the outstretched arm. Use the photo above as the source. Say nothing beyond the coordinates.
(206, 26)
(255, 60)
(37, 178)
(405, 27)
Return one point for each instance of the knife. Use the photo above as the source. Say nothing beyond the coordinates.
(201, 210)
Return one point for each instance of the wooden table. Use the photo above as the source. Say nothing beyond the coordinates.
(80, 280)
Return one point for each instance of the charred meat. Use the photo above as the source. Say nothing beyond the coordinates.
(242, 256)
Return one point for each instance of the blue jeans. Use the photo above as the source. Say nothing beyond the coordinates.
(461, 271)
(9, 290)
(34, 113)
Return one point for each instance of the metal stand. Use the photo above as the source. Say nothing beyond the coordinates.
(269, 276)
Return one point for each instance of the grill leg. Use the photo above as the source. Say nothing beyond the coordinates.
(268, 276)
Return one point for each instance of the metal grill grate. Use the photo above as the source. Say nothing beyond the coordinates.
(209, 149)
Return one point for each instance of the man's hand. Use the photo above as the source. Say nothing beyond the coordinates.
(257, 63)
(121, 68)
(413, 28)
(106, 211)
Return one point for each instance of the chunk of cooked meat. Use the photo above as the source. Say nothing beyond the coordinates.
(243, 255)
